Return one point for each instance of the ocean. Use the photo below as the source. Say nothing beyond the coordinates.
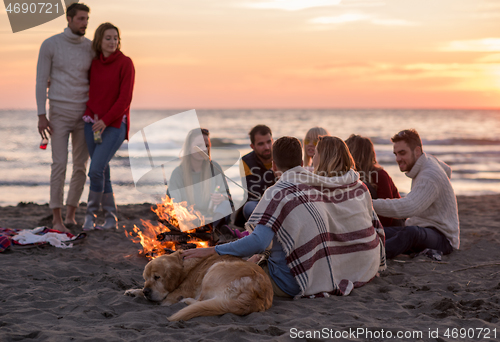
(467, 140)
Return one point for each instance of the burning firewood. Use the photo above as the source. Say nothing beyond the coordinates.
(166, 236)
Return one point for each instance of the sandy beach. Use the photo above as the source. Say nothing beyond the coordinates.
(76, 294)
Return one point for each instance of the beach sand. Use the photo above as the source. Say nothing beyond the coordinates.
(51, 294)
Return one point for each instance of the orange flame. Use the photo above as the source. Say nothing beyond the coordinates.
(177, 215)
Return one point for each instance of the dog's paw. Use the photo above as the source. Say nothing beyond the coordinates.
(167, 303)
(134, 293)
(189, 301)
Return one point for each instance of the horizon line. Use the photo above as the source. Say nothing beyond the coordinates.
(291, 108)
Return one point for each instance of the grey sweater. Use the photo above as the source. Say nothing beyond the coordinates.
(431, 201)
(65, 60)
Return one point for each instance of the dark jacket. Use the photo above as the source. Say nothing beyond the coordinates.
(260, 178)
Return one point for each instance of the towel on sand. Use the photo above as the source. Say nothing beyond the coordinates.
(53, 237)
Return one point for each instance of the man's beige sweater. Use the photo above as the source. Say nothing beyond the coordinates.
(65, 60)
(431, 201)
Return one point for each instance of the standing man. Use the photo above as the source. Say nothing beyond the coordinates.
(63, 63)
(431, 205)
(258, 167)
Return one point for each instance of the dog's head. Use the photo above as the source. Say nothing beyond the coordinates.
(162, 275)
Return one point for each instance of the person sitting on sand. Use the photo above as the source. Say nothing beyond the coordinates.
(321, 232)
(199, 180)
(431, 205)
(371, 173)
(310, 142)
(257, 165)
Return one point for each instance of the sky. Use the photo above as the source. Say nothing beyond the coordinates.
(286, 53)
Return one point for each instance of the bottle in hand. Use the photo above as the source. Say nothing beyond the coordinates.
(211, 205)
(97, 134)
(45, 141)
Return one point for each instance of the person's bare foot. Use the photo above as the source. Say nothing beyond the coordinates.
(57, 222)
(60, 227)
(70, 216)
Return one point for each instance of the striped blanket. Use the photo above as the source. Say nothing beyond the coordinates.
(331, 236)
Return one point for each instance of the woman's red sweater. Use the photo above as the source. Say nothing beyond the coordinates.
(111, 86)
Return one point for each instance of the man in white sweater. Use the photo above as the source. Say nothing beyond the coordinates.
(431, 205)
(63, 65)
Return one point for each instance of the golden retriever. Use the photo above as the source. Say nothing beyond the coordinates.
(210, 286)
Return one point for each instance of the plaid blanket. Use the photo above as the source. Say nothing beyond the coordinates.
(327, 227)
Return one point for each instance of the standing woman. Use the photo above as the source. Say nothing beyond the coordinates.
(310, 142)
(107, 119)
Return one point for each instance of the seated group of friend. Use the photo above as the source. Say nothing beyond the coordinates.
(315, 216)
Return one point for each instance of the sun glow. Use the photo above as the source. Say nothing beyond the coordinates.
(286, 53)
(496, 77)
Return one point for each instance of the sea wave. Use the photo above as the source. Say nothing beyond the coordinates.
(240, 143)
(23, 183)
(445, 142)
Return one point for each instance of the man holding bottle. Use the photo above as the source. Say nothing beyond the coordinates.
(63, 64)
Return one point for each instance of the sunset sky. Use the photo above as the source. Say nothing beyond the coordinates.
(287, 53)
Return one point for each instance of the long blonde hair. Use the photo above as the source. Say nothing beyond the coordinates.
(334, 157)
(186, 166)
(312, 135)
(364, 156)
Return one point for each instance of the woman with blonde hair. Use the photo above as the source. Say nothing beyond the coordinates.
(371, 173)
(310, 142)
(199, 181)
(332, 157)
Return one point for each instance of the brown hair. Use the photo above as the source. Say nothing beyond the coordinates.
(312, 134)
(287, 153)
(99, 36)
(334, 157)
(364, 156)
(74, 8)
(409, 136)
(261, 129)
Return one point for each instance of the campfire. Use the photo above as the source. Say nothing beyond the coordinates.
(178, 227)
